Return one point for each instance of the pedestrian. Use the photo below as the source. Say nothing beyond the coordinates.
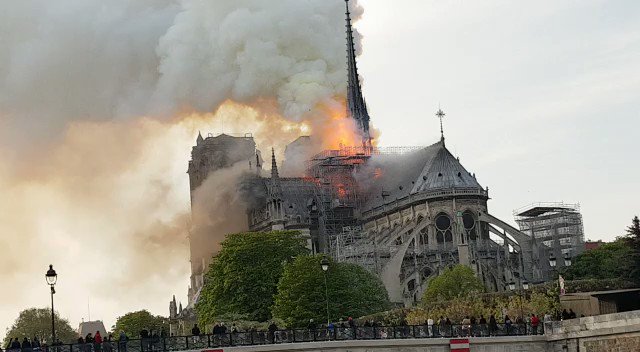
(565, 314)
(429, 327)
(311, 327)
(572, 314)
(352, 327)
(195, 331)
(88, 342)
(534, 324)
(272, 332)
(507, 324)
(493, 325)
(106, 344)
(26, 345)
(97, 342)
(442, 326)
(466, 326)
(35, 344)
(144, 339)
(483, 325)
(122, 342)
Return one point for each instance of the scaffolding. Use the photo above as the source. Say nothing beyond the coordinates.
(557, 225)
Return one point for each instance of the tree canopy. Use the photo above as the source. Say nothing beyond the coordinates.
(633, 239)
(243, 277)
(134, 322)
(352, 292)
(455, 282)
(609, 261)
(36, 322)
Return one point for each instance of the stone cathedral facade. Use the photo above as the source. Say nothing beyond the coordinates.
(405, 214)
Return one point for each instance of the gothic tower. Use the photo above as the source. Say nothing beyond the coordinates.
(356, 105)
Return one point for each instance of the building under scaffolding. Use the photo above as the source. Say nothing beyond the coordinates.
(557, 225)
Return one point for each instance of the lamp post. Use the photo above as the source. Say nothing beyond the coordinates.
(52, 277)
(324, 264)
(524, 285)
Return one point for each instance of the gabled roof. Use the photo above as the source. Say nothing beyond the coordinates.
(443, 171)
(391, 177)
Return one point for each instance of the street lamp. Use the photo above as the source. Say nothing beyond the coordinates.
(52, 278)
(324, 264)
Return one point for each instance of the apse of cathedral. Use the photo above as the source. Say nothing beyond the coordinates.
(403, 213)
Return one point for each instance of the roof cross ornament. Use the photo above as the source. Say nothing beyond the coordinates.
(440, 114)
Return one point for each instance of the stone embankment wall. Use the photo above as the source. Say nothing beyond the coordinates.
(619, 332)
(479, 344)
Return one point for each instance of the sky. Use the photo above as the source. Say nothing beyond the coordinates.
(541, 102)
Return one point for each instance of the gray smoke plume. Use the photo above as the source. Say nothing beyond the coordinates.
(96, 121)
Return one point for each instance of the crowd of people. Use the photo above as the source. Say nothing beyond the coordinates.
(221, 335)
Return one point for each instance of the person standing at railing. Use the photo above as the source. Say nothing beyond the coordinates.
(26, 345)
(507, 324)
(466, 326)
(429, 327)
(122, 342)
(195, 332)
(312, 329)
(483, 325)
(106, 344)
(535, 321)
(352, 327)
(493, 325)
(272, 332)
(97, 342)
(35, 345)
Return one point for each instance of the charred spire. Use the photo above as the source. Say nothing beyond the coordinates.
(276, 188)
(356, 106)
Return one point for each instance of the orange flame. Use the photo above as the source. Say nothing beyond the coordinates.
(341, 131)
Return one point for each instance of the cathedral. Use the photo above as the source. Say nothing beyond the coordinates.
(403, 213)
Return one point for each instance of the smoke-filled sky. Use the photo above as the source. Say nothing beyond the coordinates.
(100, 103)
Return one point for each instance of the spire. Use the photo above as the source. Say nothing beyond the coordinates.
(356, 106)
(199, 139)
(276, 188)
(440, 114)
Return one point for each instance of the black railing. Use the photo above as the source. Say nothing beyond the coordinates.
(250, 338)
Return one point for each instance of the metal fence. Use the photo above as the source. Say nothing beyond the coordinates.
(250, 338)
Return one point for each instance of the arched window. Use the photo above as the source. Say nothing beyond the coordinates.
(443, 225)
(469, 223)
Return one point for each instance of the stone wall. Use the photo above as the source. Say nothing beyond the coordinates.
(619, 332)
(493, 344)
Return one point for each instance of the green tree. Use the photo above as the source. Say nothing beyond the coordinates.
(633, 239)
(36, 322)
(243, 277)
(455, 282)
(132, 323)
(352, 292)
(609, 261)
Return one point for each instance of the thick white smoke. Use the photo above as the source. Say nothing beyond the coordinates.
(100, 102)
